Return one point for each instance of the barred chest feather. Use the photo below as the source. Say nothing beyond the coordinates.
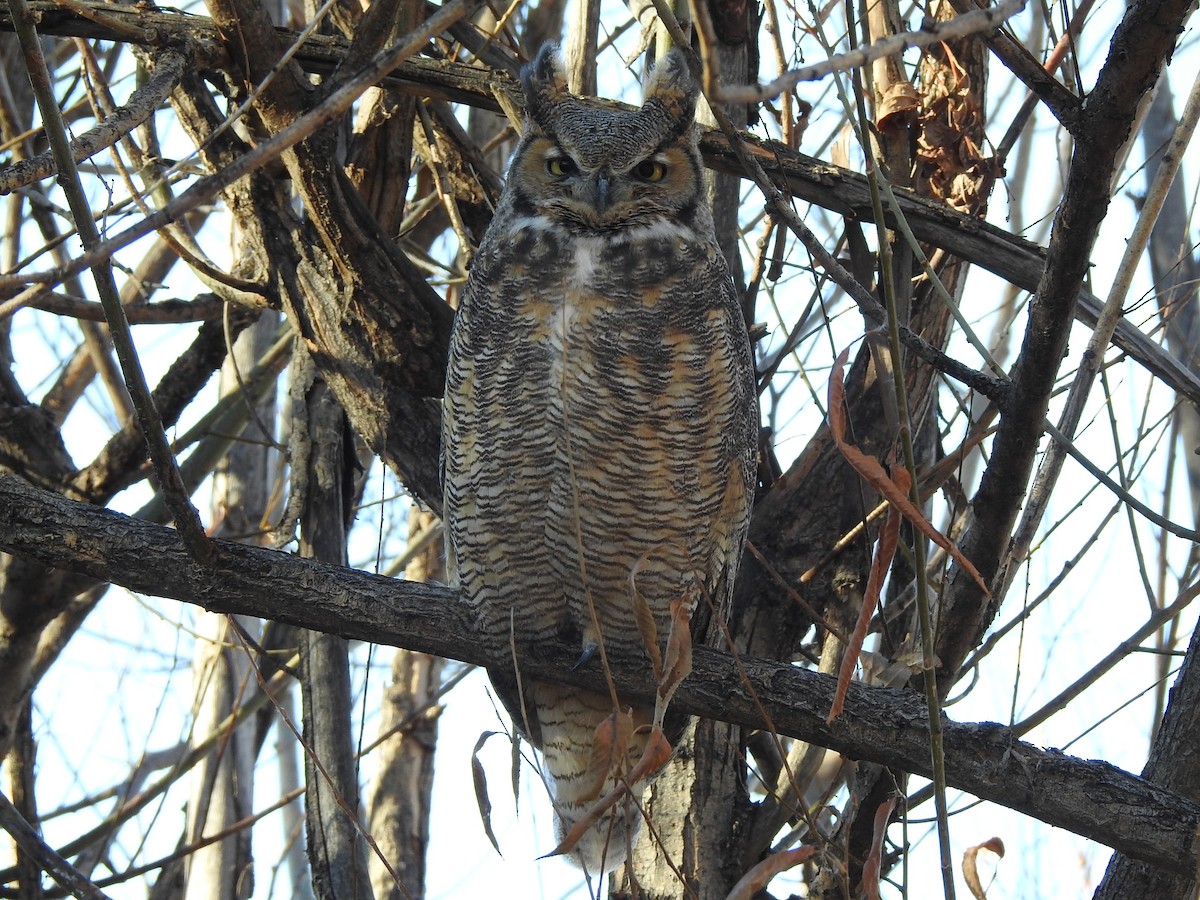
(604, 396)
(625, 314)
(599, 420)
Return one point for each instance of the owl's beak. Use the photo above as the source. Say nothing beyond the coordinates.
(601, 197)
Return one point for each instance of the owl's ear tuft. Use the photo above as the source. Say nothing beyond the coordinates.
(671, 86)
(544, 83)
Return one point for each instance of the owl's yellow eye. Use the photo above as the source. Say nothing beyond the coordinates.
(649, 170)
(561, 166)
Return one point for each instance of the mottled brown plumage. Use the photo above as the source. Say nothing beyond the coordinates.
(600, 415)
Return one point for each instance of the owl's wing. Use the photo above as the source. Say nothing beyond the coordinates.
(459, 366)
(742, 460)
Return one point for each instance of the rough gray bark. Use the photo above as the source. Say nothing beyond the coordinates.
(323, 460)
(222, 786)
(1174, 763)
(1093, 799)
(382, 351)
(401, 795)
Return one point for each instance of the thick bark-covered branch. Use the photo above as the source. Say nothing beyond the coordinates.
(1093, 799)
(1012, 258)
(29, 442)
(1172, 764)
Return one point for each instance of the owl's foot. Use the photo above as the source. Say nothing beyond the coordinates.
(588, 654)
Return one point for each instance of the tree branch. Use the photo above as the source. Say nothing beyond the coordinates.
(931, 32)
(1016, 260)
(1092, 799)
(840, 190)
(141, 105)
(1143, 42)
(1016, 57)
(31, 842)
(203, 308)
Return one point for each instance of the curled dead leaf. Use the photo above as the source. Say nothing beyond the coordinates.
(873, 471)
(610, 744)
(970, 865)
(643, 617)
(677, 664)
(889, 539)
(479, 778)
(656, 755)
(757, 878)
(900, 99)
(873, 866)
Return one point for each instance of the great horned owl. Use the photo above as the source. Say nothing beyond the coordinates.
(600, 415)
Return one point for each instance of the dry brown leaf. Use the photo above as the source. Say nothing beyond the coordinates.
(970, 869)
(899, 99)
(678, 661)
(874, 862)
(872, 470)
(889, 538)
(644, 619)
(656, 755)
(757, 878)
(949, 164)
(479, 777)
(610, 744)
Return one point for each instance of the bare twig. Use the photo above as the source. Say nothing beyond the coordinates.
(127, 30)
(161, 312)
(140, 106)
(1110, 315)
(1118, 653)
(930, 33)
(1121, 85)
(187, 520)
(306, 125)
(57, 867)
(1066, 106)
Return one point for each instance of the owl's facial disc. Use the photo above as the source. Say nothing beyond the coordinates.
(598, 194)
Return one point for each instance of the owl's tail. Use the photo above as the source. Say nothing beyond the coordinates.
(583, 757)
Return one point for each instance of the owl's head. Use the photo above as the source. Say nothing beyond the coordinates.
(603, 168)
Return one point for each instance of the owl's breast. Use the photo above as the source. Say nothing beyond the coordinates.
(606, 389)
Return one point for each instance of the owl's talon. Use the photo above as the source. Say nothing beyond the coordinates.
(588, 654)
